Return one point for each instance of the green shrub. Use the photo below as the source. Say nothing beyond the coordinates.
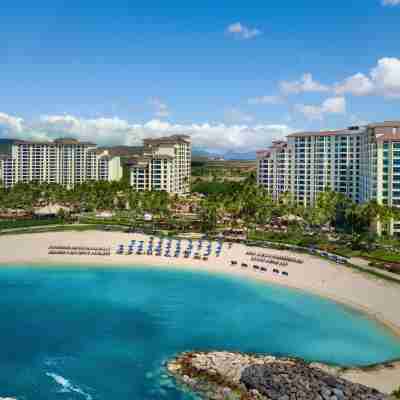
(26, 223)
(396, 393)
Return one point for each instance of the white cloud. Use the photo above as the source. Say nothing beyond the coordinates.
(10, 123)
(386, 77)
(305, 84)
(390, 2)
(161, 110)
(265, 100)
(332, 105)
(358, 85)
(115, 131)
(241, 31)
(383, 79)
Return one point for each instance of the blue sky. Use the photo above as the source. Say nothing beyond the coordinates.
(234, 75)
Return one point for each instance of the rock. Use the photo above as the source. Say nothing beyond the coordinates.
(224, 375)
(338, 393)
(326, 394)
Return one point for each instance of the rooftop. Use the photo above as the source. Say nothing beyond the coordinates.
(350, 131)
(385, 124)
(61, 141)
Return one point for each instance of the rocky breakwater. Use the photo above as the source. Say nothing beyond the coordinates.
(235, 376)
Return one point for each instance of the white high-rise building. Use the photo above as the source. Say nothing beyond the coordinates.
(363, 163)
(322, 160)
(274, 168)
(381, 168)
(63, 161)
(6, 171)
(165, 165)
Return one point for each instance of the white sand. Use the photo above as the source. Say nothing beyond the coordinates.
(378, 298)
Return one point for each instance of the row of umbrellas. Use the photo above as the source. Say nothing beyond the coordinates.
(164, 247)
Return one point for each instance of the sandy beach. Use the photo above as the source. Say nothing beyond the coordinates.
(376, 297)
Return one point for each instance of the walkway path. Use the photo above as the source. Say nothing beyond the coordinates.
(363, 264)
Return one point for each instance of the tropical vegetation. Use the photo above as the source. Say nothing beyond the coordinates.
(334, 222)
(223, 204)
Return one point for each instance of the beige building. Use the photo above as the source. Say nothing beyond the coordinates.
(363, 163)
(165, 165)
(6, 171)
(274, 168)
(63, 161)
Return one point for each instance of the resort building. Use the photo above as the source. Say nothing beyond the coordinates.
(63, 161)
(6, 171)
(381, 168)
(323, 160)
(164, 165)
(363, 163)
(274, 168)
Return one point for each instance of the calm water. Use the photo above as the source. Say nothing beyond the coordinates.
(104, 334)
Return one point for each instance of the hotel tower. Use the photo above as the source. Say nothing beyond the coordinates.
(363, 163)
(63, 161)
(164, 165)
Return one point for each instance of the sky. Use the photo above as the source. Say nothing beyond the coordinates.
(233, 75)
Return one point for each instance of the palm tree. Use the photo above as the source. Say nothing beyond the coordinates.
(354, 217)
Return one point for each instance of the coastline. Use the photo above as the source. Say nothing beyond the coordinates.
(215, 374)
(354, 307)
(373, 297)
(356, 290)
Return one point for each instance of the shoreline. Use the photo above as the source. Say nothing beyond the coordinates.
(253, 376)
(36, 248)
(374, 298)
(353, 307)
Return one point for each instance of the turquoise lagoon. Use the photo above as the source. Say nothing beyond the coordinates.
(98, 333)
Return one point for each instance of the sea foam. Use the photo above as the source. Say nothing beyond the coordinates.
(67, 386)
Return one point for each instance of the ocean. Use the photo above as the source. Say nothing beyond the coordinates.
(92, 333)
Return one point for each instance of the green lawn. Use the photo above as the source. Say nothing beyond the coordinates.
(383, 255)
(26, 223)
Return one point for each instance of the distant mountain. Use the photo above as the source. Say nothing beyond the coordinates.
(201, 153)
(197, 153)
(230, 155)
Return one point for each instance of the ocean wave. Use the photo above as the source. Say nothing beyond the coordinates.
(67, 386)
(8, 398)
